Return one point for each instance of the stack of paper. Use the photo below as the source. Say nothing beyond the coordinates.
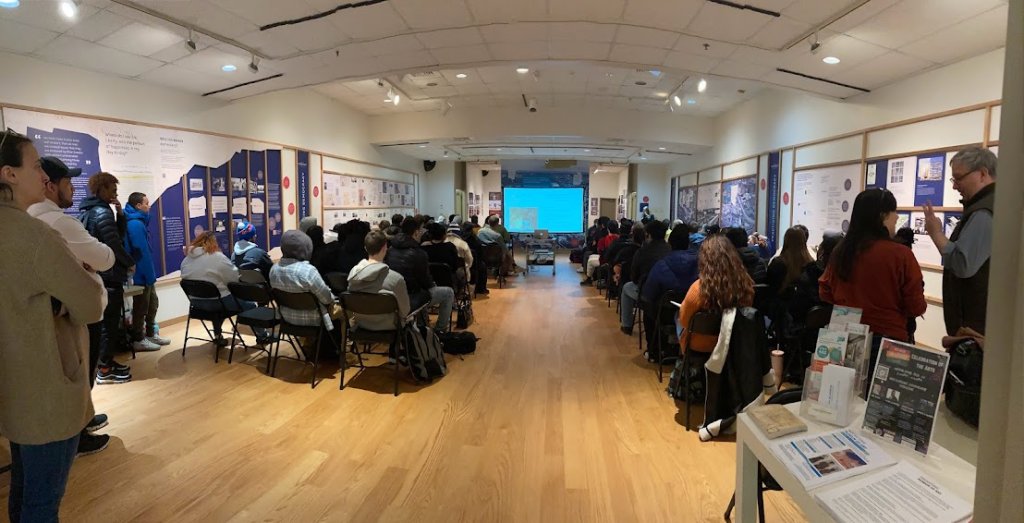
(899, 494)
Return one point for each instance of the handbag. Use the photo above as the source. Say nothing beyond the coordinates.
(963, 380)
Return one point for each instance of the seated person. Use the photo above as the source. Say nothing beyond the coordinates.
(205, 262)
(373, 275)
(489, 236)
(294, 273)
(675, 272)
(723, 284)
(440, 250)
(454, 236)
(596, 260)
(752, 262)
(351, 251)
(407, 258)
(654, 249)
(785, 270)
(247, 255)
(622, 261)
(478, 269)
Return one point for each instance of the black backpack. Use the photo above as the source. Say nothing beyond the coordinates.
(463, 342)
(426, 359)
(963, 381)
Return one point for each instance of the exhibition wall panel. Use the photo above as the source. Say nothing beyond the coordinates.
(993, 128)
(762, 193)
(316, 183)
(713, 174)
(688, 179)
(785, 196)
(834, 151)
(944, 131)
(745, 167)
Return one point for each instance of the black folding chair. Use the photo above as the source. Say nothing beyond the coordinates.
(300, 301)
(364, 303)
(494, 258)
(765, 481)
(251, 276)
(204, 292)
(802, 341)
(665, 320)
(262, 317)
(337, 281)
(702, 322)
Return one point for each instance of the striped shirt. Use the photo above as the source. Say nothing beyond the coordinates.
(291, 275)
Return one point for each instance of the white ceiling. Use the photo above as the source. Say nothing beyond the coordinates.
(588, 53)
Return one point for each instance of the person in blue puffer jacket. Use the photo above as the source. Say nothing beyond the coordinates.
(248, 255)
(676, 272)
(145, 305)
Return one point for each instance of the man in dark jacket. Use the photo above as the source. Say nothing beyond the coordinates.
(145, 305)
(108, 226)
(756, 267)
(653, 250)
(479, 268)
(247, 255)
(407, 258)
(675, 272)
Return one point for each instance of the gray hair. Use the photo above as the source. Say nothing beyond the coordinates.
(296, 245)
(976, 158)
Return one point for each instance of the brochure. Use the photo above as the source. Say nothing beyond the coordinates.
(826, 458)
(904, 396)
(830, 348)
(858, 354)
(842, 315)
(900, 493)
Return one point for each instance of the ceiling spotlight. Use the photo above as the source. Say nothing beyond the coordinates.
(830, 60)
(661, 148)
(702, 86)
(423, 146)
(671, 108)
(9, 4)
(69, 8)
(677, 100)
(190, 44)
(815, 45)
(254, 64)
(586, 150)
(522, 70)
(460, 76)
(691, 101)
(398, 98)
(446, 154)
(228, 68)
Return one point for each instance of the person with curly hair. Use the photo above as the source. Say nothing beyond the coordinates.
(723, 284)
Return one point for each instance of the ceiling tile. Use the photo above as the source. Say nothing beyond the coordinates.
(632, 54)
(269, 44)
(177, 77)
(98, 26)
(695, 45)
(570, 50)
(725, 23)
(972, 37)
(264, 12)
(758, 56)
(210, 61)
(779, 32)
(911, 20)
(850, 51)
(690, 62)
(175, 52)
(314, 35)
(87, 55)
(373, 21)
(520, 51)
(407, 60)
(518, 32)
(450, 37)
(485, 11)
(22, 38)
(472, 88)
(433, 14)
(595, 10)
(44, 15)
(642, 36)
(461, 55)
(814, 11)
(882, 70)
(387, 46)
(497, 74)
(736, 69)
(582, 31)
(658, 13)
(860, 15)
(141, 39)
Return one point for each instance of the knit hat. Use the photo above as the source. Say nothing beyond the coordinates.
(245, 231)
(296, 245)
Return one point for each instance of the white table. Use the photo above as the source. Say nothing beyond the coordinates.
(752, 446)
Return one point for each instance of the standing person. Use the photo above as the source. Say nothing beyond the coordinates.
(47, 297)
(108, 226)
(145, 305)
(870, 271)
(89, 252)
(723, 284)
(966, 253)
(247, 255)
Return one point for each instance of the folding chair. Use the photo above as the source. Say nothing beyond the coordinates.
(444, 277)
(251, 276)
(262, 317)
(494, 257)
(702, 322)
(300, 301)
(802, 342)
(197, 290)
(666, 319)
(765, 481)
(364, 303)
(337, 281)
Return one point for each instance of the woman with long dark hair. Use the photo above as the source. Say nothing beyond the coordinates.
(870, 271)
(784, 270)
(723, 284)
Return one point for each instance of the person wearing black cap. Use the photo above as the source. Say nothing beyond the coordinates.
(89, 251)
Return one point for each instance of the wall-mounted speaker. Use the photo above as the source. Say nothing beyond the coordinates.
(484, 172)
(428, 165)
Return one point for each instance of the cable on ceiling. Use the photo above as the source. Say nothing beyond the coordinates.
(324, 14)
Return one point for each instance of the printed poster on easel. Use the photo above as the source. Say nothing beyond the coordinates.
(903, 398)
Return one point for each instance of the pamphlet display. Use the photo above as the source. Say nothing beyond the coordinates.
(709, 204)
(821, 459)
(686, 205)
(904, 396)
(823, 198)
(739, 203)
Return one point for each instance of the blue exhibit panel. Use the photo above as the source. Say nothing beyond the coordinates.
(197, 187)
(556, 210)
(772, 229)
(275, 205)
(76, 150)
(931, 179)
(239, 170)
(219, 206)
(258, 195)
(302, 182)
(876, 175)
(172, 220)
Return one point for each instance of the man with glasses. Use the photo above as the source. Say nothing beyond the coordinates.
(966, 253)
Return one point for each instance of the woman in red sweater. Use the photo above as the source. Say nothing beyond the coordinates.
(870, 271)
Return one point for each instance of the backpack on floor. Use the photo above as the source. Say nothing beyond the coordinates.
(963, 381)
(463, 313)
(463, 342)
(426, 357)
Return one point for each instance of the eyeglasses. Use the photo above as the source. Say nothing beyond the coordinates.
(954, 179)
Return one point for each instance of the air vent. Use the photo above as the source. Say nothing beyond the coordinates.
(423, 79)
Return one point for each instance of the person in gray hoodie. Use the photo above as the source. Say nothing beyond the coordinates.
(373, 276)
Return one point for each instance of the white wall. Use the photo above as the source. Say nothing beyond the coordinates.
(477, 183)
(653, 182)
(438, 190)
(605, 182)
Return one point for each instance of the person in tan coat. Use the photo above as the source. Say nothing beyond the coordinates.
(46, 300)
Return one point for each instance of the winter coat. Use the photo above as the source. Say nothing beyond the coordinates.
(677, 272)
(755, 265)
(249, 256)
(212, 267)
(443, 252)
(407, 258)
(649, 254)
(375, 277)
(137, 244)
(101, 222)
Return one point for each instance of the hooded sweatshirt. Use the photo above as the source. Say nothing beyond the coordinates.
(137, 244)
(248, 255)
(756, 267)
(375, 277)
(214, 268)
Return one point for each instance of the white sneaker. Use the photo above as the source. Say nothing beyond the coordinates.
(158, 340)
(145, 345)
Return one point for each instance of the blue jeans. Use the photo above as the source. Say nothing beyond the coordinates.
(39, 474)
(630, 293)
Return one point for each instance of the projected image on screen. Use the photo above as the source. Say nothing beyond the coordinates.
(554, 210)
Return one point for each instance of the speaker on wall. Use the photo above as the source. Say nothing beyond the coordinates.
(428, 165)
(484, 172)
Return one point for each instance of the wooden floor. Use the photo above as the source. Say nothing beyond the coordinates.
(555, 418)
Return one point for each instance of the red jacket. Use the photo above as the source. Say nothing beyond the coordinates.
(604, 243)
(886, 283)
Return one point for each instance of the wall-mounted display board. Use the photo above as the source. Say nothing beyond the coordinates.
(709, 204)
(686, 204)
(739, 203)
(184, 173)
(372, 216)
(345, 191)
(823, 197)
(915, 180)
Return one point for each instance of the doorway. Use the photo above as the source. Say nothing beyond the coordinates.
(460, 204)
(607, 207)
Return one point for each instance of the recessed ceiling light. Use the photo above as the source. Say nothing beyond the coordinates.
(661, 148)
(830, 60)
(691, 101)
(522, 70)
(586, 150)
(9, 4)
(228, 68)
(655, 73)
(68, 8)
(643, 157)
(422, 146)
(702, 86)
(677, 100)
(460, 76)
(498, 149)
(661, 94)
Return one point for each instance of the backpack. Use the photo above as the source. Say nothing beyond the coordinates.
(463, 313)
(963, 381)
(458, 342)
(676, 383)
(426, 357)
